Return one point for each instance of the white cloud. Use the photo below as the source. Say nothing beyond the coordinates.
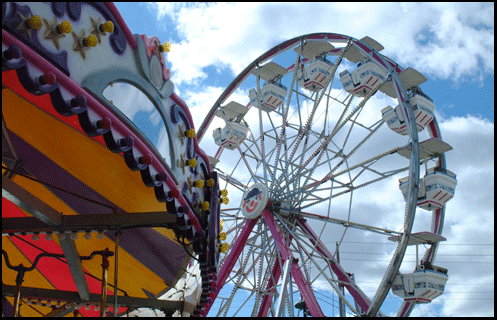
(446, 40)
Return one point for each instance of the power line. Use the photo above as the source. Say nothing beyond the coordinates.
(410, 261)
(442, 244)
(413, 254)
(453, 284)
(414, 261)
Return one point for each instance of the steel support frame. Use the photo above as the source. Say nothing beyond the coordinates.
(286, 276)
(270, 288)
(107, 221)
(132, 302)
(285, 252)
(342, 276)
(50, 218)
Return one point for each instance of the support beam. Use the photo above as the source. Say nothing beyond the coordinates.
(286, 254)
(44, 215)
(28, 202)
(108, 221)
(271, 289)
(62, 312)
(74, 262)
(38, 293)
(356, 293)
(286, 276)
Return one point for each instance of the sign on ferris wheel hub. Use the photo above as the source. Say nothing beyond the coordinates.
(254, 201)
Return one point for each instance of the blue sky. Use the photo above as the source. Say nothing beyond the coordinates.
(452, 44)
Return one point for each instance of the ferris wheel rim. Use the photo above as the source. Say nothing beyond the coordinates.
(410, 207)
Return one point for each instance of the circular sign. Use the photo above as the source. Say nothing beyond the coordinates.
(254, 201)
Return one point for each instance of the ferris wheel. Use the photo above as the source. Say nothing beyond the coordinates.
(304, 139)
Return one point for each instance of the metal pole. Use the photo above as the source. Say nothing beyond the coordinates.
(417, 258)
(17, 296)
(341, 306)
(281, 302)
(105, 268)
(115, 272)
(290, 296)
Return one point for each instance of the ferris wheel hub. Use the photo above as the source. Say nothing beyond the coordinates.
(254, 200)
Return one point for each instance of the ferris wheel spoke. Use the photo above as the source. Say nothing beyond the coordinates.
(297, 274)
(303, 131)
(232, 181)
(282, 136)
(270, 287)
(332, 282)
(351, 188)
(319, 152)
(350, 224)
(261, 129)
(360, 297)
(308, 125)
(313, 186)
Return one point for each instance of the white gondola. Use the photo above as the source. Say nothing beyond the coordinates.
(421, 286)
(423, 108)
(363, 79)
(224, 137)
(436, 188)
(427, 149)
(428, 281)
(410, 78)
(272, 94)
(232, 111)
(315, 75)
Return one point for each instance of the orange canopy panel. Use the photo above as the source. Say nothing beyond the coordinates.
(75, 168)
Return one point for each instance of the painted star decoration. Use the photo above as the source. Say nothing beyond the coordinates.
(23, 25)
(181, 134)
(95, 28)
(189, 183)
(51, 32)
(78, 43)
(181, 163)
